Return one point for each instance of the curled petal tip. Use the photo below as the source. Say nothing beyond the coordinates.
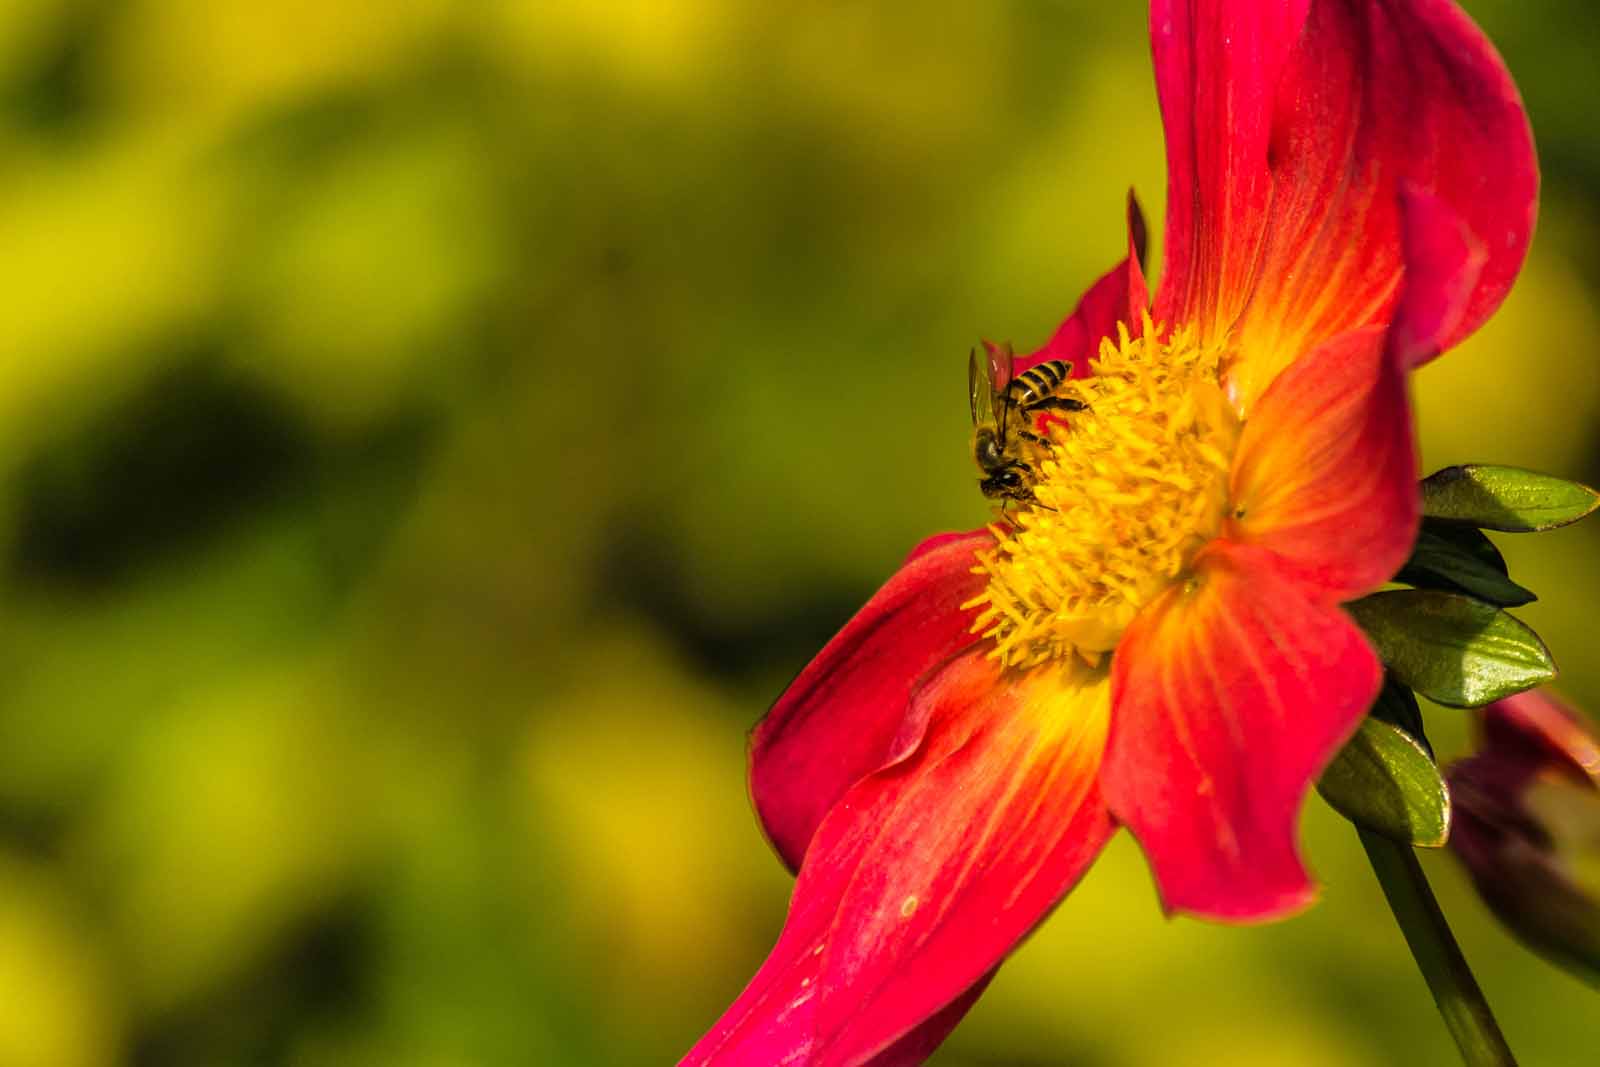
(1444, 261)
(850, 711)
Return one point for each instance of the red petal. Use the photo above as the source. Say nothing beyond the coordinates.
(1291, 127)
(849, 712)
(1230, 694)
(928, 873)
(1119, 296)
(942, 540)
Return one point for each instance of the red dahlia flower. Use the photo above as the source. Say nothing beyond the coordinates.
(1159, 645)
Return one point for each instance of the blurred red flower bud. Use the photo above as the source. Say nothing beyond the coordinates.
(1527, 826)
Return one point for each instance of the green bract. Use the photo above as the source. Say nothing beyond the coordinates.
(1452, 648)
(1384, 780)
(1505, 498)
(1456, 562)
(1397, 706)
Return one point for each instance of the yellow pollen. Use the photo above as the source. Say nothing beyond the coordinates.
(1127, 493)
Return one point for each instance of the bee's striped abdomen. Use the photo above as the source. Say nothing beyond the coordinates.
(1037, 382)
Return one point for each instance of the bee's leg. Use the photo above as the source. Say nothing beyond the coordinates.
(1026, 497)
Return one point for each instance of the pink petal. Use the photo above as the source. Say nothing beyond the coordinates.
(1230, 694)
(1120, 295)
(1291, 127)
(927, 873)
(849, 712)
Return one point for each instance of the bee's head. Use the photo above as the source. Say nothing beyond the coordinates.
(1009, 483)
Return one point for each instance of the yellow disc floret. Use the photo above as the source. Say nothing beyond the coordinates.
(1127, 493)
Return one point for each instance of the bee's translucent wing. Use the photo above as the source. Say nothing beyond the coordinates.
(980, 393)
(986, 376)
(999, 365)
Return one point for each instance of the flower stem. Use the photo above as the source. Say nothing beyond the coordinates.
(1450, 980)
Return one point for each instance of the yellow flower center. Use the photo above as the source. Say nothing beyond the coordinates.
(1127, 493)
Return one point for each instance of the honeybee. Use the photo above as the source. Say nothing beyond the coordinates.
(1002, 409)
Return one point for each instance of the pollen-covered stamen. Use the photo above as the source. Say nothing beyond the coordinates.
(1130, 490)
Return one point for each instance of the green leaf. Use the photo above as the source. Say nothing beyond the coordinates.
(1505, 498)
(1452, 648)
(1440, 562)
(1397, 706)
(1383, 779)
(1469, 539)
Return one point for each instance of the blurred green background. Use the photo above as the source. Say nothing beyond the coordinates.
(432, 432)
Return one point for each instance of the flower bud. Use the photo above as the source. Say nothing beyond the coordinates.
(1527, 825)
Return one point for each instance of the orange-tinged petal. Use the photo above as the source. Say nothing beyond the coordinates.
(1291, 128)
(850, 711)
(1325, 475)
(1326, 472)
(929, 872)
(1230, 694)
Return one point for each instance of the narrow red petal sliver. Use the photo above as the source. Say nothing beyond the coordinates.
(1119, 296)
(1230, 694)
(1291, 126)
(928, 873)
(1325, 473)
(849, 712)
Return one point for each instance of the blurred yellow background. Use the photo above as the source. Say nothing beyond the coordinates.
(432, 432)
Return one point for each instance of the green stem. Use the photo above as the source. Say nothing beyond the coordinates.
(1450, 980)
